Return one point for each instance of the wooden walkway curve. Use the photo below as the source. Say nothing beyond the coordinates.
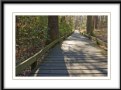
(75, 56)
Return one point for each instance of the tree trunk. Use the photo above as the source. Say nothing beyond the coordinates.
(53, 28)
(90, 25)
(95, 22)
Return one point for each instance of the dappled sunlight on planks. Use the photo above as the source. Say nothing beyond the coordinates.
(76, 56)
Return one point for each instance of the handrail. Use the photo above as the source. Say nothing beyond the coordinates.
(97, 39)
(20, 67)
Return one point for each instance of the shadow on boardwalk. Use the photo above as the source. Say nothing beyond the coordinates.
(53, 64)
(76, 56)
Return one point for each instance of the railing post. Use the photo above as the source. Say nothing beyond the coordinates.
(33, 66)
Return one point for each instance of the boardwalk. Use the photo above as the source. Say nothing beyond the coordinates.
(75, 56)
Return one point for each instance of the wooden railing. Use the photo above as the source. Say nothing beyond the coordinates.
(33, 59)
(97, 40)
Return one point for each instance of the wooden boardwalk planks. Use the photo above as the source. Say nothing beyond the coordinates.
(76, 56)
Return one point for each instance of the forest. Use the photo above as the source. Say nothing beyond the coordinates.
(33, 33)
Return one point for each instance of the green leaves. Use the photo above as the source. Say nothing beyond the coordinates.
(31, 31)
(66, 24)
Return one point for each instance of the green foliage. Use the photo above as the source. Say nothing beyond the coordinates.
(83, 22)
(83, 26)
(31, 34)
(66, 24)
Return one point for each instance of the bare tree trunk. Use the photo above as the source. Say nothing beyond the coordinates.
(53, 28)
(95, 22)
(90, 25)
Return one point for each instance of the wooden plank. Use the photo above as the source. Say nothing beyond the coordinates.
(88, 71)
(71, 74)
(79, 61)
(73, 67)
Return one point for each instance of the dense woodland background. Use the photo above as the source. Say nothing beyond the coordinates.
(35, 32)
